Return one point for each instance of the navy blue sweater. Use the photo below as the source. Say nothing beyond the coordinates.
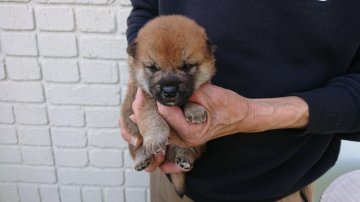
(274, 48)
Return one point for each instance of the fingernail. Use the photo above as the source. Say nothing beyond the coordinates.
(134, 141)
(160, 153)
(132, 118)
(138, 92)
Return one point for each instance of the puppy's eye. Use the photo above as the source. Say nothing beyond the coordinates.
(187, 67)
(152, 68)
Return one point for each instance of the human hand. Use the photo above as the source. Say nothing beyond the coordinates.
(222, 116)
(230, 113)
(227, 113)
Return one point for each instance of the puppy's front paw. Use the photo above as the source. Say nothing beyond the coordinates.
(155, 143)
(195, 113)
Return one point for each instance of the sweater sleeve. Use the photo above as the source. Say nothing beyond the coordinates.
(335, 108)
(141, 13)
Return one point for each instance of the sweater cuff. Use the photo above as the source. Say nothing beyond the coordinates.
(332, 110)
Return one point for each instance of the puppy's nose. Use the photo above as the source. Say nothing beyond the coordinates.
(169, 91)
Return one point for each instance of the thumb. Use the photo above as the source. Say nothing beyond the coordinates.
(173, 115)
(171, 167)
(188, 134)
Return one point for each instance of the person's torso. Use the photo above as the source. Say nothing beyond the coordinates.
(270, 48)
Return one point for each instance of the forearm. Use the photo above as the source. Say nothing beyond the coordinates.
(276, 113)
(237, 114)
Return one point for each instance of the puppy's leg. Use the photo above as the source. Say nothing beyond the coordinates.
(178, 180)
(126, 111)
(153, 127)
(142, 160)
(195, 113)
(185, 158)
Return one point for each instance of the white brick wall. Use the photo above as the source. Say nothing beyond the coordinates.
(29, 193)
(8, 135)
(96, 20)
(8, 192)
(49, 193)
(19, 43)
(63, 72)
(16, 17)
(57, 45)
(91, 194)
(6, 114)
(50, 18)
(25, 69)
(2, 70)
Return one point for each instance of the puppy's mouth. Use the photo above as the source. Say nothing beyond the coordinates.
(171, 102)
(171, 91)
(180, 99)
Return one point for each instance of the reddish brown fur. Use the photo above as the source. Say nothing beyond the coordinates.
(171, 50)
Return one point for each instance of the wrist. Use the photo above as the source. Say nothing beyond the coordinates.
(235, 114)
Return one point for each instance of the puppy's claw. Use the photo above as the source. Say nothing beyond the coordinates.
(195, 113)
(203, 121)
(155, 145)
(183, 163)
(142, 165)
(180, 193)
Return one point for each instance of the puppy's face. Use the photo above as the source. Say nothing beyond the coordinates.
(170, 58)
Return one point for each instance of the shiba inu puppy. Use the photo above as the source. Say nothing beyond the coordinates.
(170, 58)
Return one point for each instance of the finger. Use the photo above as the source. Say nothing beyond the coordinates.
(139, 100)
(171, 167)
(157, 160)
(175, 118)
(174, 138)
(121, 122)
(136, 141)
(133, 118)
(125, 135)
(173, 115)
(200, 95)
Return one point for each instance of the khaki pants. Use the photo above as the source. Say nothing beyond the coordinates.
(161, 190)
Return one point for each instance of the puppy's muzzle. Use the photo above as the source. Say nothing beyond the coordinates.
(169, 91)
(172, 91)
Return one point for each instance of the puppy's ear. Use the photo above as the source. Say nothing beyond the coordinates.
(131, 49)
(210, 46)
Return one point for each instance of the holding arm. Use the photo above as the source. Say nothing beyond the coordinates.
(332, 109)
(142, 12)
(230, 113)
